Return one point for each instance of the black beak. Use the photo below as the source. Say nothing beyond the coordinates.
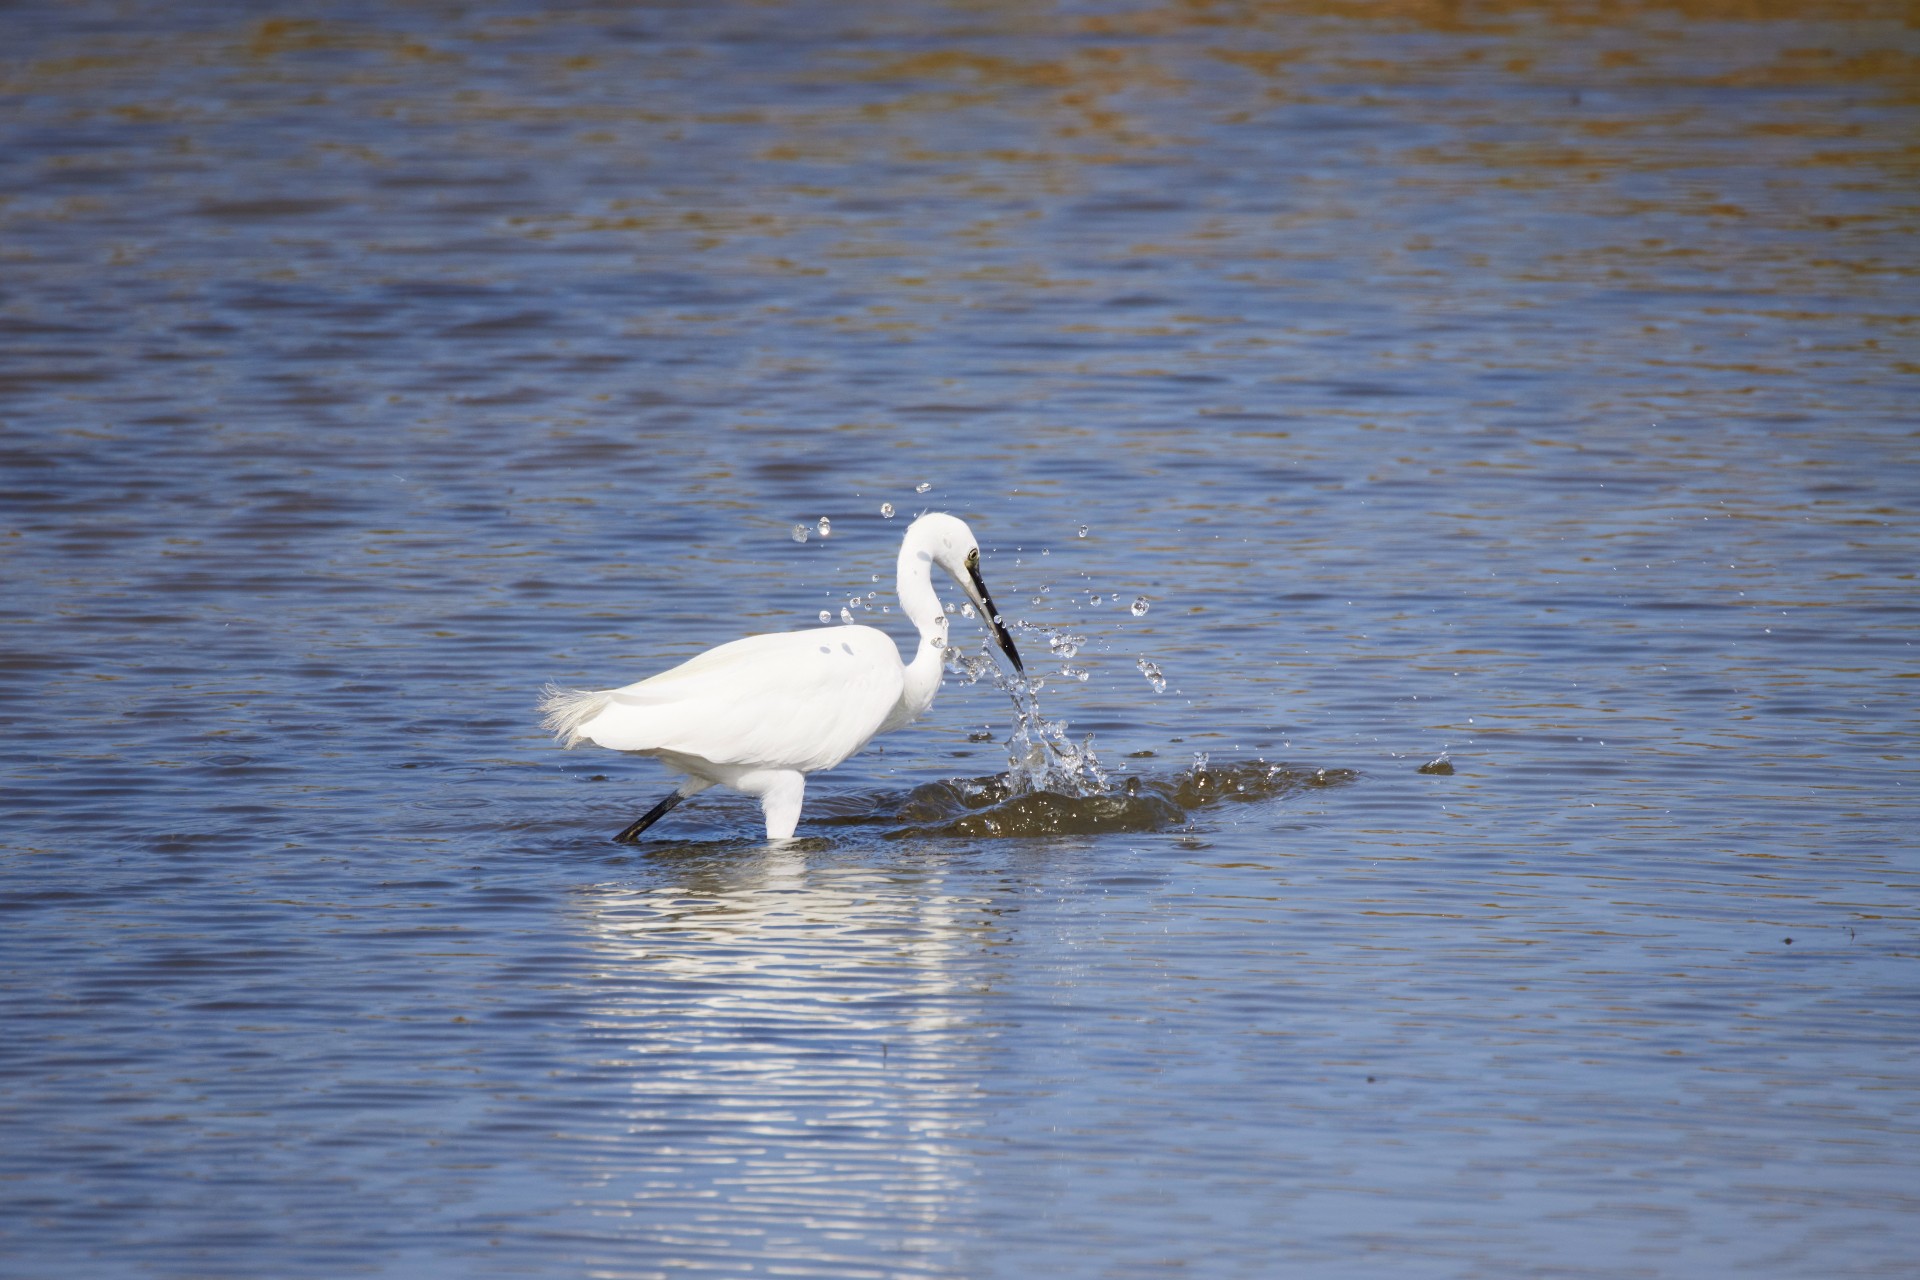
(992, 617)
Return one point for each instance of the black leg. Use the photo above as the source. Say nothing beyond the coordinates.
(632, 834)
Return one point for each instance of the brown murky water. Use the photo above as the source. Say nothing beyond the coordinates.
(1529, 383)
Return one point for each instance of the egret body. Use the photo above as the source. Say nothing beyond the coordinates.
(761, 713)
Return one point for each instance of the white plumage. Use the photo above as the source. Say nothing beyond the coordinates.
(759, 714)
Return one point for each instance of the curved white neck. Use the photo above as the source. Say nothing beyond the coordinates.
(914, 581)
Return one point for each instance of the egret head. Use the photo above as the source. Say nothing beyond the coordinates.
(946, 541)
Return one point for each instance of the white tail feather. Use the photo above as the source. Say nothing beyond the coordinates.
(563, 711)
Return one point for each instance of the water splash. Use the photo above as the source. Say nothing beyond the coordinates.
(1151, 670)
(1040, 755)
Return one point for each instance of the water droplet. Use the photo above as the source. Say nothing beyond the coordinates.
(1095, 600)
(966, 611)
(886, 511)
(922, 487)
(1082, 532)
(826, 526)
(825, 617)
(1140, 606)
(1151, 670)
(799, 533)
(846, 615)
(1075, 673)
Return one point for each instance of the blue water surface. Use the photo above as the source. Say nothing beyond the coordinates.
(1528, 386)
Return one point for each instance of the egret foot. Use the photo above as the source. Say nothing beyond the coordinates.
(632, 834)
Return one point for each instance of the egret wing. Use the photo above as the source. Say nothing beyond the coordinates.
(801, 700)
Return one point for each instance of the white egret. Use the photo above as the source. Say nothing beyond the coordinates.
(760, 714)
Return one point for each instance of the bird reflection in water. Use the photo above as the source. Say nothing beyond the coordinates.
(801, 1041)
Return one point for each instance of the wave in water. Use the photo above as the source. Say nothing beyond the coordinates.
(1000, 806)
